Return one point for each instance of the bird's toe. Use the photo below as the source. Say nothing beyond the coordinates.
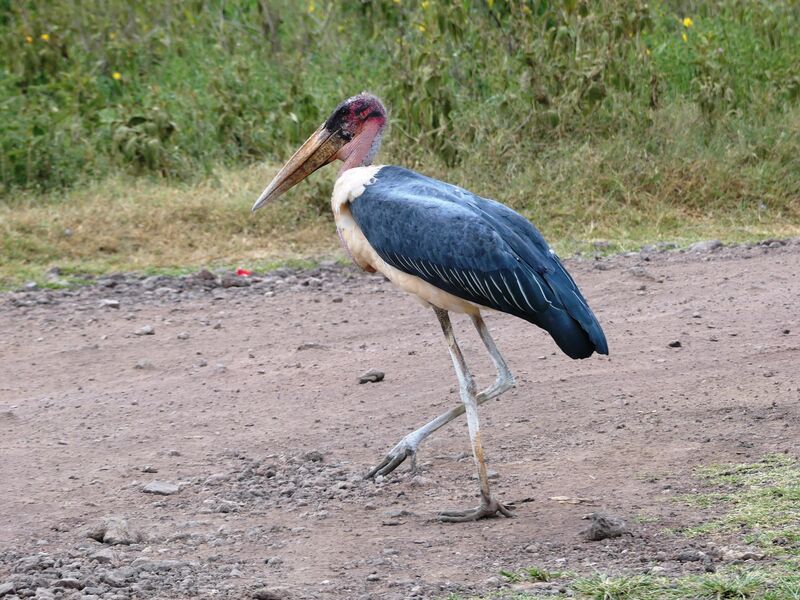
(486, 510)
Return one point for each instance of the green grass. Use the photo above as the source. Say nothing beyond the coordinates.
(730, 584)
(756, 504)
(760, 503)
(131, 134)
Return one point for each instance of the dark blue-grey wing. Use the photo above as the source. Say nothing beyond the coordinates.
(453, 240)
(530, 245)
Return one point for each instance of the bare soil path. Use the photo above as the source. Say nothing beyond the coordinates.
(247, 399)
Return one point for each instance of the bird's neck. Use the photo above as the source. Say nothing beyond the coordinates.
(362, 149)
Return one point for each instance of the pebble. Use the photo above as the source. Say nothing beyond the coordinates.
(113, 531)
(371, 376)
(109, 303)
(161, 488)
(69, 583)
(270, 594)
(690, 556)
(675, 344)
(103, 556)
(114, 578)
(216, 479)
(145, 330)
(144, 365)
(183, 335)
(604, 526)
(7, 588)
(706, 246)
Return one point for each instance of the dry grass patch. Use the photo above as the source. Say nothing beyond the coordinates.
(133, 224)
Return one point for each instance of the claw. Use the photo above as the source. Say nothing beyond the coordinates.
(484, 511)
(394, 459)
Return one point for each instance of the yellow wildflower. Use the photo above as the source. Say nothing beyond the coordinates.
(526, 9)
(425, 4)
(421, 28)
(685, 37)
(311, 7)
(490, 4)
(28, 39)
(112, 36)
(687, 22)
(45, 37)
(116, 76)
(647, 51)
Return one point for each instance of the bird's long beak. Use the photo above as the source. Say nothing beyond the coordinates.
(316, 152)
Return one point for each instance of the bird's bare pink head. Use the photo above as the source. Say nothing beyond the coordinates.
(351, 134)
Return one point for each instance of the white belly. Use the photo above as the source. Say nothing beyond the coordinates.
(350, 186)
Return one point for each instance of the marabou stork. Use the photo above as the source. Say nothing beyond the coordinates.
(452, 250)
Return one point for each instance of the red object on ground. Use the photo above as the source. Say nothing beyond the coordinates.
(243, 272)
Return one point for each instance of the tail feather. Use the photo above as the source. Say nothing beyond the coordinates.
(576, 319)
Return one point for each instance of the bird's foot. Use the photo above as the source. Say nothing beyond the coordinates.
(406, 448)
(488, 508)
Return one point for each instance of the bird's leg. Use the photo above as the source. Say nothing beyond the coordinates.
(489, 506)
(407, 447)
(505, 380)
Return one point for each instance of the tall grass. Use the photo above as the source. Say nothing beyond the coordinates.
(171, 89)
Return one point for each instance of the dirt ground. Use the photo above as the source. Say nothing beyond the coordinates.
(247, 400)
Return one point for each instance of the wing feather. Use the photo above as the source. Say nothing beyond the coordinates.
(469, 246)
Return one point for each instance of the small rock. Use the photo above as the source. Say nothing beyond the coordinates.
(113, 531)
(109, 303)
(220, 505)
(311, 346)
(7, 588)
(604, 526)
(145, 330)
(114, 578)
(690, 556)
(373, 577)
(270, 594)
(183, 335)
(69, 583)
(229, 281)
(161, 488)
(37, 562)
(706, 246)
(205, 275)
(216, 479)
(372, 376)
(752, 556)
(103, 556)
(675, 344)
(314, 456)
(144, 365)
(149, 469)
